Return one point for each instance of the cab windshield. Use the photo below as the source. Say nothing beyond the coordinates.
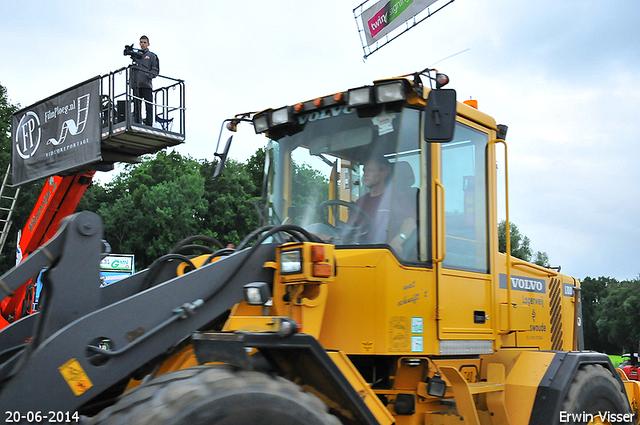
(350, 180)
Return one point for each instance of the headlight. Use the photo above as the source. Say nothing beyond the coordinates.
(436, 387)
(390, 92)
(281, 116)
(291, 261)
(256, 293)
(261, 122)
(360, 97)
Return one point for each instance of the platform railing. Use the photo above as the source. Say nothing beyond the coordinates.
(118, 101)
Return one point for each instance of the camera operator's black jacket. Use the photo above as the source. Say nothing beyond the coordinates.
(145, 68)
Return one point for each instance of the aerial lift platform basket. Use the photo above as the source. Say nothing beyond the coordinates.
(121, 135)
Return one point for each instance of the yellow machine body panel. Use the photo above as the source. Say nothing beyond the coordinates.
(398, 318)
(477, 290)
(540, 306)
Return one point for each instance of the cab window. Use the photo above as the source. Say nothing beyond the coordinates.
(351, 180)
(464, 180)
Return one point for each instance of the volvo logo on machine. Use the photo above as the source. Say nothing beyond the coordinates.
(521, 283)
(325, 113)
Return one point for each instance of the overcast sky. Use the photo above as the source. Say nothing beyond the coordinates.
(563, 75)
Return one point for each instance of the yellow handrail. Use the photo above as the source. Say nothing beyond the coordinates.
(507, 231)
(441, 241)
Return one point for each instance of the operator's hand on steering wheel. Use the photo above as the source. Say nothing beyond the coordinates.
(345, 228)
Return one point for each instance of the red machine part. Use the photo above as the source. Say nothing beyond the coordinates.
(59, 198)
(631, 372)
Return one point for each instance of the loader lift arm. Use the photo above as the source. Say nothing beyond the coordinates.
(139, 325)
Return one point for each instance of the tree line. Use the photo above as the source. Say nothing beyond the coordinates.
(520, 245)
(151, 206)
(611, 314)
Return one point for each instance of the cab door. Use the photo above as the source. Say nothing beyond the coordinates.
(465, 325)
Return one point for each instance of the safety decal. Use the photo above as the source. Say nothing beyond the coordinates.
(399, 334)
(74, 374)
(416, 325)
(417, 345)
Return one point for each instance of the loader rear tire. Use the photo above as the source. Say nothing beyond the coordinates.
(594, 390)
(220, 395)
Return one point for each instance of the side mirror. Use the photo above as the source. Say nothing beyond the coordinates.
(440, 116)
(223, 158)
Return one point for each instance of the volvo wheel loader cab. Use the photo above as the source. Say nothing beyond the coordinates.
(374, 293)
(409, 292)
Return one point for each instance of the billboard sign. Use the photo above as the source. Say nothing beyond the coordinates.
(57, 134)
(115, 267)
(387, 15)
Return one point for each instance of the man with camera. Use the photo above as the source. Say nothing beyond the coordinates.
(146, 66)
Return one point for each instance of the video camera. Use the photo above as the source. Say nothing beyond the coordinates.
(134, 53)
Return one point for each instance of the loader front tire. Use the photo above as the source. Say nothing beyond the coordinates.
(594, 391)
(221, 395)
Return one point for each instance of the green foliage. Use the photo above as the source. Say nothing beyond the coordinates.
(28, 192)
(520, 245)
(152, 206)
(6, 110)
(541, 258)
(309, 188)
(232, 214)
(255, 168)
(611, 312)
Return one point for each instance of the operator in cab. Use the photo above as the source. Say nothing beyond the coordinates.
(389, 208)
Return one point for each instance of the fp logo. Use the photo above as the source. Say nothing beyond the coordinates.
(28, 135)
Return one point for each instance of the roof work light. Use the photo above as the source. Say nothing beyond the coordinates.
(261, 121)
(367, 100)
(360, 97)
(281, 116)
(390, 92)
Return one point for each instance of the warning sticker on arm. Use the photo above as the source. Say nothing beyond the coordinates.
(74, 374)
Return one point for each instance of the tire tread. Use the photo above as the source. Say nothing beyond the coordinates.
(165, 397)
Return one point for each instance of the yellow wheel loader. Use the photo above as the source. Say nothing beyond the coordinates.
(374, 293)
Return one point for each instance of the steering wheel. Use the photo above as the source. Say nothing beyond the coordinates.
(344, 227)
